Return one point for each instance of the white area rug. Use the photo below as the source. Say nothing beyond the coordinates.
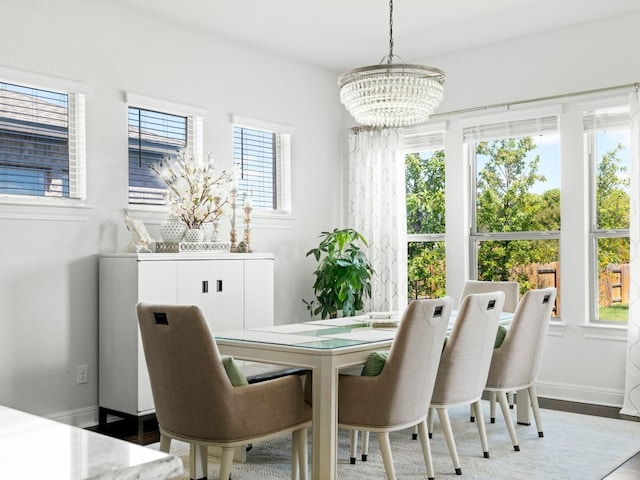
(575, 447)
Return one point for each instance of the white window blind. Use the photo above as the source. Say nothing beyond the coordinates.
(511, 129)
(262, 158)
(604, 120)
(42, 142)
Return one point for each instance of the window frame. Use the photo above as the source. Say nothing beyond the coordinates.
(282, 180)
(504, 126)
(195, 136)
(74, 207)
(594, 109)
(425, 138)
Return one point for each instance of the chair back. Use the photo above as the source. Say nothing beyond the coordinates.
(191, 390)
(464, 365)
(511, 291)
(409, 373)
(517, 361)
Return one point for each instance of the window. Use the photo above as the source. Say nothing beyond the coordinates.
(424, 175)
(262, 159)
(515, 227)
(607, 137)
(42, 145)
(157, 129)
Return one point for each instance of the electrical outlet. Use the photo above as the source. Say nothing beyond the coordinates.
(82, 375)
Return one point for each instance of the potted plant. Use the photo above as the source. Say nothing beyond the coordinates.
(343, 276)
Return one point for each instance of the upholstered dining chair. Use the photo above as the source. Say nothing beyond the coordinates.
(398, 397)
(516, 362)
(196, 402)
(464, 365)
(511, 297)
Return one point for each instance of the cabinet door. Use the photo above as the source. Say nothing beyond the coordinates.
(258, 294)
(157, 283)
(217, 287)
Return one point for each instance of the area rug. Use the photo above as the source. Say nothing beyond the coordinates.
(574, 447)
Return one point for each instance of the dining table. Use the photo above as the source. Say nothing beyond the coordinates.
(325, 347)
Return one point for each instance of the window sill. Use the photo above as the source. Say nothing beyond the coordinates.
(45, 209)
(605, 332)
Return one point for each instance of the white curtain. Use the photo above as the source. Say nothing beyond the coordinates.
(377, 210)
(631, 404)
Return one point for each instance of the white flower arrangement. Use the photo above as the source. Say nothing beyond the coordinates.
(197, 192)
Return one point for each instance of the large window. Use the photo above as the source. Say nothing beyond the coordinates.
(262, 159)
(424, 174)
(515, 228)
(157, 129)
(607, 146)
(42, 145)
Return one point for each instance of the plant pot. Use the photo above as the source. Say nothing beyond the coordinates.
(194, 235)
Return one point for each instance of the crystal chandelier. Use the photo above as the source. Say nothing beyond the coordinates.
(391, 94)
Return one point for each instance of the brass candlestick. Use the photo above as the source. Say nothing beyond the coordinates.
(234, 195)
(247, 228)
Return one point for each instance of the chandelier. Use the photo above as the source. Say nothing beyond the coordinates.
(391, 94)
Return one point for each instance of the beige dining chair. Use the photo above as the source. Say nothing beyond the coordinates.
(515, 364)
(464, 365)
(511, 297)
(196, 403)
(398, 397)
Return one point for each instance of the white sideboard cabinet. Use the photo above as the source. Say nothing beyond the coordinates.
(234, 291)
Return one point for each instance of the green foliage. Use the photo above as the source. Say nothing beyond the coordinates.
(343, 275)
(425, 193)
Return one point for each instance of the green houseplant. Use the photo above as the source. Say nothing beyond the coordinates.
(343, 276)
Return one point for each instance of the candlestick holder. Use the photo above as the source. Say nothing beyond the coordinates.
(247, 228)
(233, 203)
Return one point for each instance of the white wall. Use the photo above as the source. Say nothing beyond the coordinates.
(581, 363)
(48, 273)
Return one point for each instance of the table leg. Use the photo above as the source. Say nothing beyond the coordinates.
(523, 407)
(325, 420)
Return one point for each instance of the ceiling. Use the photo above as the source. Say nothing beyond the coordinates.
(343, 34)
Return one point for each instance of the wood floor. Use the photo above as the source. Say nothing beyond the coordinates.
(129, 430)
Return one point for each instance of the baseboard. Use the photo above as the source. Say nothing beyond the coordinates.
(82, 417)
(581, 394)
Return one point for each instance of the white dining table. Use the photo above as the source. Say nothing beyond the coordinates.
(325, 347)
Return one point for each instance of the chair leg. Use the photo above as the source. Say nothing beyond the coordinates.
(300, 458)
(492, 407)
(414, 435)
(477, 406)
(504, 406)
(198, 461)
(426, 449)
(443, 415)
(353, 440)
(165, 443)
(472, 417)
(510, 396)
(430, 422)
(365, 445)
(226, 462)
(385, 449)
(533, 398)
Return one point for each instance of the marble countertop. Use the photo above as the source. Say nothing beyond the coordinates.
(36, 447)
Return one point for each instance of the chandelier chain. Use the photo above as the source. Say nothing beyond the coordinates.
(390, 31)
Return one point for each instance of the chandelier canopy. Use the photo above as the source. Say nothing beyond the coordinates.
(391, 94)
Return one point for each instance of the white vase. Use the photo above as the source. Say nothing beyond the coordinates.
(172, 229)
(194, 235)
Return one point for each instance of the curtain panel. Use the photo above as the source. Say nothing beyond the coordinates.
(631, 404)
(377, 210)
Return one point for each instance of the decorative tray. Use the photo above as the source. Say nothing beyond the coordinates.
(212, 247)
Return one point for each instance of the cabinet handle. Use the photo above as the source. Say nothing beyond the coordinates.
(218, 285)
(205, 286)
